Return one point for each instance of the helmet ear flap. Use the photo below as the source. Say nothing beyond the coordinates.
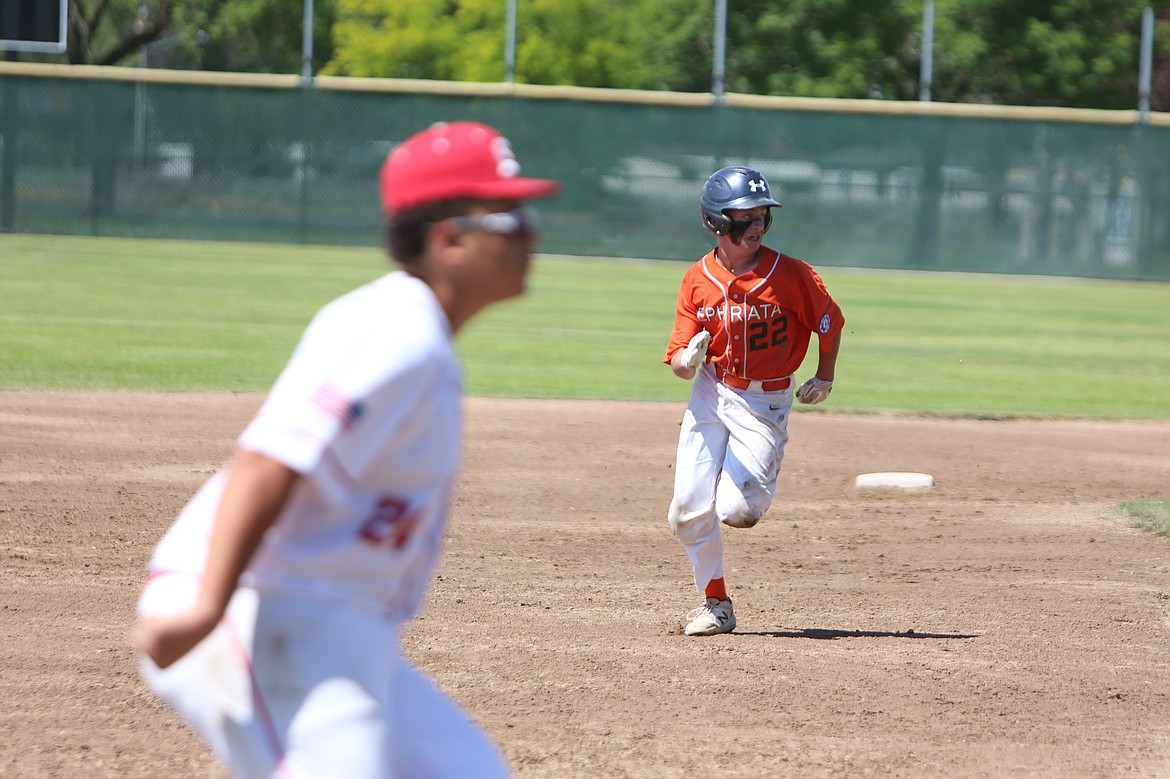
(767, 220)
(716, 224)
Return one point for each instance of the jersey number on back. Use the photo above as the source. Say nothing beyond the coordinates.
(768, 335)
(390, 524)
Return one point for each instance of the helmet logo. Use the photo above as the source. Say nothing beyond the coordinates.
(758, 186)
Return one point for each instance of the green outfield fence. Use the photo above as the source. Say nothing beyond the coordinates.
(178, 154)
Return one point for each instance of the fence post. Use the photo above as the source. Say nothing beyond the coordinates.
(510, 42)
(926, 70)
(307, 46)
(1144, 67)
(720, 46)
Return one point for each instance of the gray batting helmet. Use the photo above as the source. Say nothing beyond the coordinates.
(734, 188)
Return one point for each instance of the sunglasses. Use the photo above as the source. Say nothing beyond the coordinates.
(519, 221)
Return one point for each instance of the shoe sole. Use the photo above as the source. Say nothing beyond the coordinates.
(715, 630)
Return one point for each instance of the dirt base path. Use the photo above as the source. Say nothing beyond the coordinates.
(1002, 623)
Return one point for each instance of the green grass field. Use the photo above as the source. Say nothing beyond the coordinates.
(1149, 514)
(106, 313)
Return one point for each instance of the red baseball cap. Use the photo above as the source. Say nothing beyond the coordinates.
(455, 160)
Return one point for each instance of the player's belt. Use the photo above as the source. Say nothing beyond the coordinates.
(768, 385)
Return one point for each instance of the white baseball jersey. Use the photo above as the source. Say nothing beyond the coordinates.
(373, 422)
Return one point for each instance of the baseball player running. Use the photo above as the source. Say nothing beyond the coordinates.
(271, 618)
(743, 323)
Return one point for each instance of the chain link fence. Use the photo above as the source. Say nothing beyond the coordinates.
(169, 154)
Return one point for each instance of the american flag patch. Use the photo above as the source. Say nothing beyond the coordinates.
(337, 405)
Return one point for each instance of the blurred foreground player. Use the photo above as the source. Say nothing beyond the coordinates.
(271, 618)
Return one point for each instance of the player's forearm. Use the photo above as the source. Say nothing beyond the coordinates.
(256, 491)
(827, 365)
(679, 369)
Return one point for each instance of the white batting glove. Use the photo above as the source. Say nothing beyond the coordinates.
(696, 350)
(814, 391)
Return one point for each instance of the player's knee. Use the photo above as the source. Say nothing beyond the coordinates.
(687, 524)
(742, 519)
(742, 511)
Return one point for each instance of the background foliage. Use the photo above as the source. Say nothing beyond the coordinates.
(1080, 53)
(260, 36)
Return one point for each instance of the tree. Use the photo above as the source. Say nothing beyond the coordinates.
(241, 35)
(266, 36)
(671, 45)
(1081, 53)
(590, 43)
(1077, 53)
(113, 32)
(824, 48)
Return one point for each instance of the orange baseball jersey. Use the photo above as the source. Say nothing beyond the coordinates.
(761, 321)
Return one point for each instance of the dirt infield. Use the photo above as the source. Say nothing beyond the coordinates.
(1002, 623)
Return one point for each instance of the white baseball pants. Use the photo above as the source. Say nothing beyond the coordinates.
(729, 452)
(296, 686)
